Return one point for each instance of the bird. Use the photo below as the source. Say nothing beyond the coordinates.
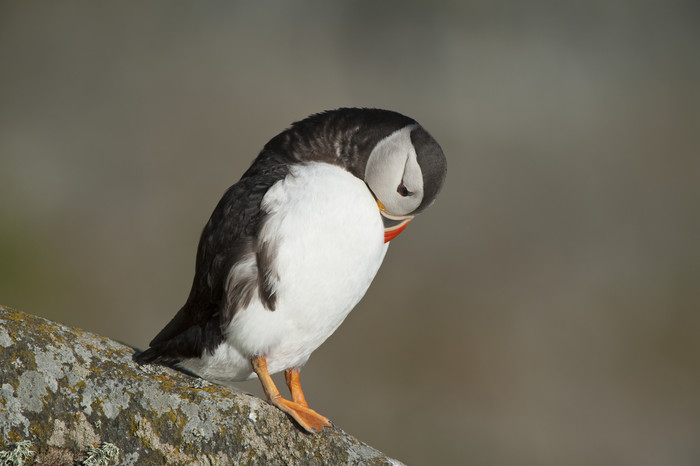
(293, 246)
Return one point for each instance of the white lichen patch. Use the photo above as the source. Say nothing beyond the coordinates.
(82, 432)
(253, 415)
(56, 363)
(130, 459)
(5, 340)
(58, 434)
(224, 403)
(196, 427)
(155, 399)
(83, 353)
(87, 397)
(117, 398)
(202, 417)
(62, 354)
(77, 373)
(48, 366)
(11, 416)
(32, 387)
(255, 404)
(112, 396)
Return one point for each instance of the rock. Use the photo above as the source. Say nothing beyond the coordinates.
(68, 396)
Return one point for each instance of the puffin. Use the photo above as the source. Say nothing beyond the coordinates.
(293, 246)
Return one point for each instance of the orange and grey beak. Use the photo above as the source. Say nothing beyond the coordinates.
(393, 224)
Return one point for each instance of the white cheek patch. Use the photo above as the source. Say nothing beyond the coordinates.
(393, 161)
(412, 174)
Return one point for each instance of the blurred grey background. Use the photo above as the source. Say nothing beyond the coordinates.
(545, 311)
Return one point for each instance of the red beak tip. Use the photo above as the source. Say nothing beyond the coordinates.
(391, 234)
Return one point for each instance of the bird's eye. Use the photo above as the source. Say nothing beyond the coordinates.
(403, 190)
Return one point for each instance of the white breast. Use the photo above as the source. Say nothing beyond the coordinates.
(329, 234)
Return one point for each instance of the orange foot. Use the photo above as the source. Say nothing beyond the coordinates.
(307, 418)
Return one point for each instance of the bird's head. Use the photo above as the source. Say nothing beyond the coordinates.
(402, 165)
(405, 171)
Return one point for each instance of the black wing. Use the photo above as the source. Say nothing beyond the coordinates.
(229, 236)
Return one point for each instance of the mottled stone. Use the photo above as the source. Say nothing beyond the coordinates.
(70, 393)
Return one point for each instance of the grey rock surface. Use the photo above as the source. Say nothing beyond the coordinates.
(68, 396)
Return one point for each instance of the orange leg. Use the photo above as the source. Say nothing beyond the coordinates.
(292, 377)
(307, 418)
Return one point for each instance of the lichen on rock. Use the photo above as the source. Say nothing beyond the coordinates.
(70, 392)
